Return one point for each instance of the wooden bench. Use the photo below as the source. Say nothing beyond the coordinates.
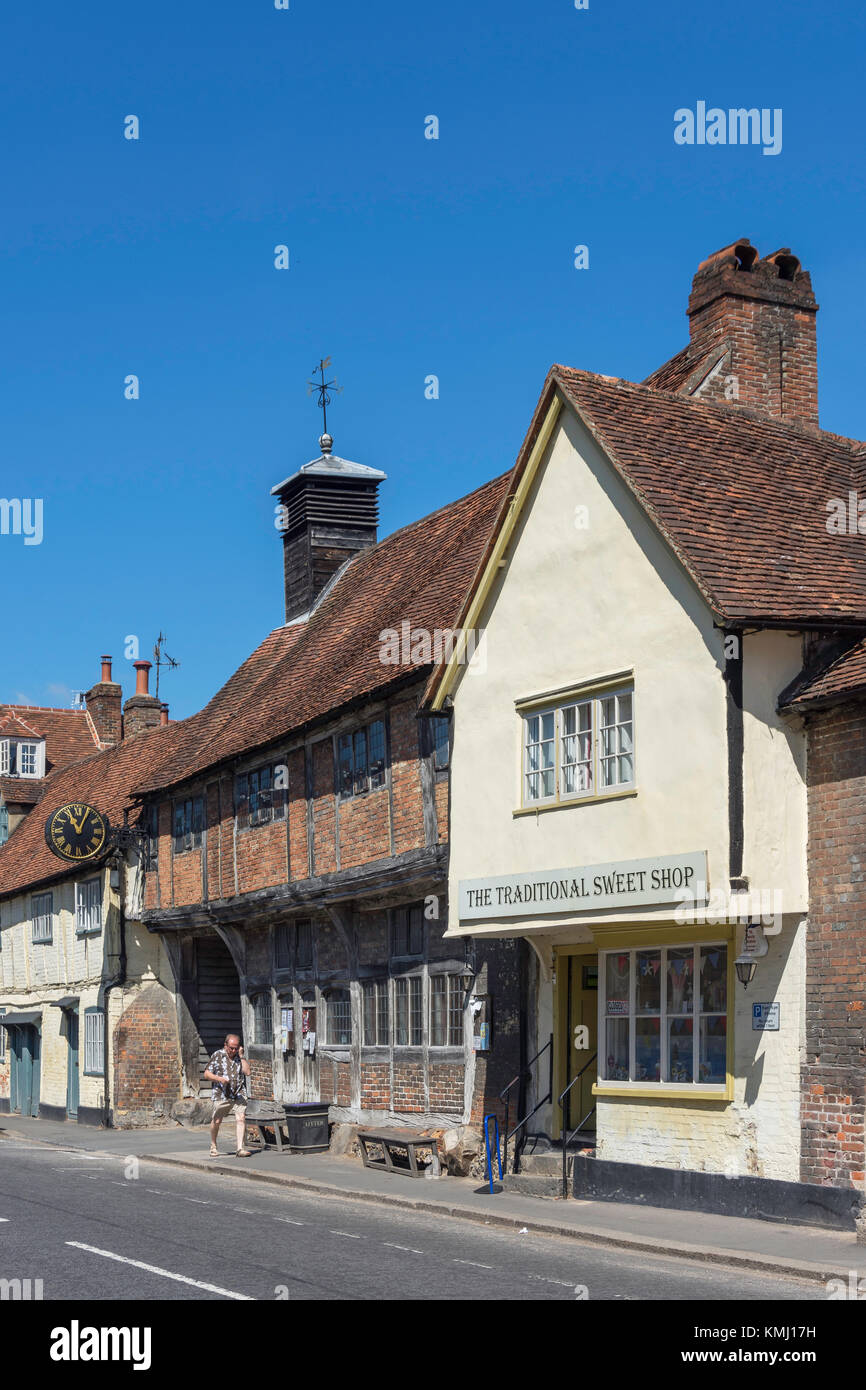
(262, 1116)
(389, 1139)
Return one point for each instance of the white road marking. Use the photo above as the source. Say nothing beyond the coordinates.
(563, 1283)
(165, 1273)
(408, 1248)
(289, 1220)
(248, 1211)
(474, 1264)
(4, 1218)
(348, 1235)
(202, 1201)
(157, 1191)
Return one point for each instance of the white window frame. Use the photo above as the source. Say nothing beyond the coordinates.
(454, 993)
(696, 1016)
(4, 757)
(94, 1042)
(88, 907)
(594, 700)
(42, 919)
(36, 750)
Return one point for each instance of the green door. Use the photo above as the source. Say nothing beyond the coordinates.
(26, 1070)
(72, 1063)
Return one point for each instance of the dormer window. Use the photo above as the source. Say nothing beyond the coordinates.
(22, 757)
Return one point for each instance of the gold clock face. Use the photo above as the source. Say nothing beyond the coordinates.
(77, 832)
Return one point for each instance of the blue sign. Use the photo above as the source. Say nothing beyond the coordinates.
(766, 1017)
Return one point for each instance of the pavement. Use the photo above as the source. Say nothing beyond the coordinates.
(804, 1252)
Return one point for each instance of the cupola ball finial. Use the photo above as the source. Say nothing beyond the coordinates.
(326, 443)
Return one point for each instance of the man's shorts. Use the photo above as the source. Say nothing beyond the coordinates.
(222, 1108)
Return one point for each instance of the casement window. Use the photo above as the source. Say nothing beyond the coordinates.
(436, 740)
(263, 1019)
(150, 826)
(293, 945)
(407, 930)
(42, 918)
(581, 748)
(88, 907)
(446, 1010)
(4, 825)
(338, 1016)
(664, 1015)
(260, 796)
(376, 1013)
(188, 824)
(360, 760)
(22, 757)
(408, 1017)
(94, 1042)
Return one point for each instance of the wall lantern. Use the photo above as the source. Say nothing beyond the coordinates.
(754, 946)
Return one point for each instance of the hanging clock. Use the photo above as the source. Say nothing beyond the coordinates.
(77, 833)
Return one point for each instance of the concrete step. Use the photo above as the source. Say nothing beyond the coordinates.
(533, 1184)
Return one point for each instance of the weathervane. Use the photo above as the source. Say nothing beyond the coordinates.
(324, 388)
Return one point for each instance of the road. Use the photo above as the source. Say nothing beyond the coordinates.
(96, 1228)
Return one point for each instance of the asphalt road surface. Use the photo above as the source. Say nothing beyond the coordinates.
(95, 1228)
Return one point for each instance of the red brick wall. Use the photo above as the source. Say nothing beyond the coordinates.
(261, 856)
(835, 1057)
(375, 1086)
(146, 1051)
(186, 872)
(408, 829)
(261, 1082)
(299, 856)
(344, 1087)
(327, 1087)
(409, 1086)
(364, 828)
(446, 1087)
(324, 817)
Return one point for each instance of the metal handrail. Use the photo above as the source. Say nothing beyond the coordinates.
(504, 1096)
(566, 1108)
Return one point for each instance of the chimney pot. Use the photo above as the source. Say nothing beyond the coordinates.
(142, 669)
(163, 714)
(106, 670)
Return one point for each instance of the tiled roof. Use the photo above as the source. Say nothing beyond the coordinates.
(301, 674)
(740, 497)
(840, 679)
(69, 733)
(12, 726)
(673, 374)
(26, 791)
(104, 780)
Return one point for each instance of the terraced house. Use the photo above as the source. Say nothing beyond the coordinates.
(300, 828)
(83, 986)
(658, 781)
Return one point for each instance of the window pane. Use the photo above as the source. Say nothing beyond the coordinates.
(680, 981)
(283, 947)
(377, 754)
(339, 1017)
(617, 968)
(401, 1013)
(616, 1061)
(305, 945)
(263, 1018)
(647, 1049)
(440, 743)
(400, 922)
(714, 979)
(648, 982)
(455, 1011)
(416, 1025)
(370, 1037)
(713, 1049)
(680, 1051)
(360, 753)
(438, 1010)
(382, 1012)
(344, 764)
(416, 930)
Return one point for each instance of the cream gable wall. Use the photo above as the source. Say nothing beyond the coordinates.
(574, 604)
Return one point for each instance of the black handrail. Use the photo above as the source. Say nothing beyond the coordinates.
(566, 1109)
(504, 1096)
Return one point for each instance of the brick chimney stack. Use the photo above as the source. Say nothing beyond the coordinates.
(103, 702)
(760, 315)
(329, 510)
(141, 711)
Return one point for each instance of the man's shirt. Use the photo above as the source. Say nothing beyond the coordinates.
(235, 1085)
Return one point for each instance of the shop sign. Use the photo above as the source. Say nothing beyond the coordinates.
(625, 883)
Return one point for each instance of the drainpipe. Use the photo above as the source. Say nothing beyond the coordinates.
(118, 979)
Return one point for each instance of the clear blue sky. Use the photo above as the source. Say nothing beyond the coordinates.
(408, 257)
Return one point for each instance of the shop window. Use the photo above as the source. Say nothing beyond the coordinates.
(376, 1020)
(407, 930)
(263, 1022)
(579, 749)
(42, 918)
(360, 760)
(338, 1014)
(88, 907)
(94, 1042)
(408, 1022)
(664, 1014)
(446, 1010)
(188, 824)
(260, 796)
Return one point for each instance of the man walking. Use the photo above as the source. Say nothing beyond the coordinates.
(228, 1069)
